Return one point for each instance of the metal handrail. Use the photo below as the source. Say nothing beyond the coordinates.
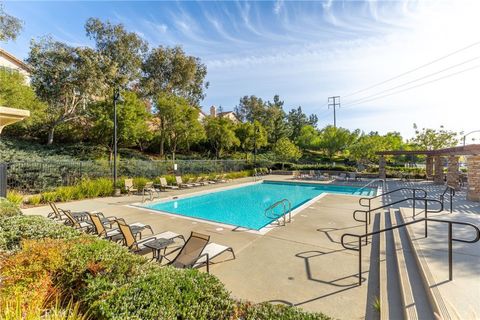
(426, 220)
(451, 194)
(368, 213)
(371, 182)
(286, 211)
(414, 190)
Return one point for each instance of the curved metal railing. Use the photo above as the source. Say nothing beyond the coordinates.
(287, 210)
(414, 195)
(425, 220)
(383, 181)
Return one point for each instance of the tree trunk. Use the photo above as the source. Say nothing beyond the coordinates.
(50, 135)
(162, 145)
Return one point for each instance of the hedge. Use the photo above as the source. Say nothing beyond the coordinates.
(45, 261)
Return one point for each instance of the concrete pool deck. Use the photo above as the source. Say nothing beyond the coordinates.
(301, 264)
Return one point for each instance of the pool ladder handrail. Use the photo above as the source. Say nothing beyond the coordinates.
(287, 210)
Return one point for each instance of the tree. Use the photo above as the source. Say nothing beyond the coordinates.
(132, 124)
(250, 136)
(366, 146)
(10, 26)
(121, 52)
(251, 108)
(433, 139)
(179, 124)
(308, 138)
(65, 78)
(334, 140)
(220, 134)
(297, 119)
(275, 121)
(171, 71)
(15, 93)
(286, 151)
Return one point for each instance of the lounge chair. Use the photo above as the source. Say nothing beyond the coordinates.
(181, 184)
(207, 180)
(220, 179)
(164, 184)
(59, 214)
(129, 187)
(150, 190)
(135, 245)
(197, 252)
(197, 182)
(115, 234)
(85, 226)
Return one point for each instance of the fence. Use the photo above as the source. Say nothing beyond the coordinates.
(34, 177)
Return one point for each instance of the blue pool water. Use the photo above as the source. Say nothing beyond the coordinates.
(245, 206)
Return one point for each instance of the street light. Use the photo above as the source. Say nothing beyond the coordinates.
(465, 136)
(116, 98)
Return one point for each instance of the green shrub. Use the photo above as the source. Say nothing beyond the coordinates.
(167, 293)
(14, 197)
(34, 200)
(50, 196)
(170, 179)
(140, 182)
(8, 208)
(267, 311)
(66, 193)
(16, 228)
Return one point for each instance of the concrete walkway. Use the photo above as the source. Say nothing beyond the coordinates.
(302, 264)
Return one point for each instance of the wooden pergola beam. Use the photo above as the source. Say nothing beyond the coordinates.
(468, 150)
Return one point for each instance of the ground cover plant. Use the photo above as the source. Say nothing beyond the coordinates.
(52, 271)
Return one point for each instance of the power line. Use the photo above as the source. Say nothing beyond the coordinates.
(416, 86)
(415, 69)
(412, 81)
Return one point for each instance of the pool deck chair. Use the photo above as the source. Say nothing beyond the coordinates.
(135, 245)
(164, 184)
(180, 183)
(101, 231)
(59, 214)
(150, 190)
(85, 226)
(129, 186)
(197, 252)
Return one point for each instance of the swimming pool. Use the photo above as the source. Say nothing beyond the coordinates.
(245, 206)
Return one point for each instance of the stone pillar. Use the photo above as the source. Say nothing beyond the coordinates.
(438, 170)
(382, 172)
(429, 167)
(452, 172)
(473, 167)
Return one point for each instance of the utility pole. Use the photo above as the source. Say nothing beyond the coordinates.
(334, 102)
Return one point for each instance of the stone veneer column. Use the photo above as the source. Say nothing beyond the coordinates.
(438, 170)
(429, 167)
(473, 167)
(382, 172)
(452, 172)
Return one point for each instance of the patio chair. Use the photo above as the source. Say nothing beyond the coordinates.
(150, 190)
(85, 226)
(197, 182)
(134, 245)
(207, 180)
(59, 214)
(129, 187)
(197, 252)
(101, 231)
(164, 184)
(219, 178)
(181, 184)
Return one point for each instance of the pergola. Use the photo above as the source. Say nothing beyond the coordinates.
(11, 115)
(434, 166)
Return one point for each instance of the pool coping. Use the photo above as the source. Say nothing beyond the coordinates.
(264, 230)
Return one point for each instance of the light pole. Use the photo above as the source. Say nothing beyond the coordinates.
(116, 98)
(465, 136)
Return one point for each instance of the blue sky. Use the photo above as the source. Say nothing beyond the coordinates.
(304, 51)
